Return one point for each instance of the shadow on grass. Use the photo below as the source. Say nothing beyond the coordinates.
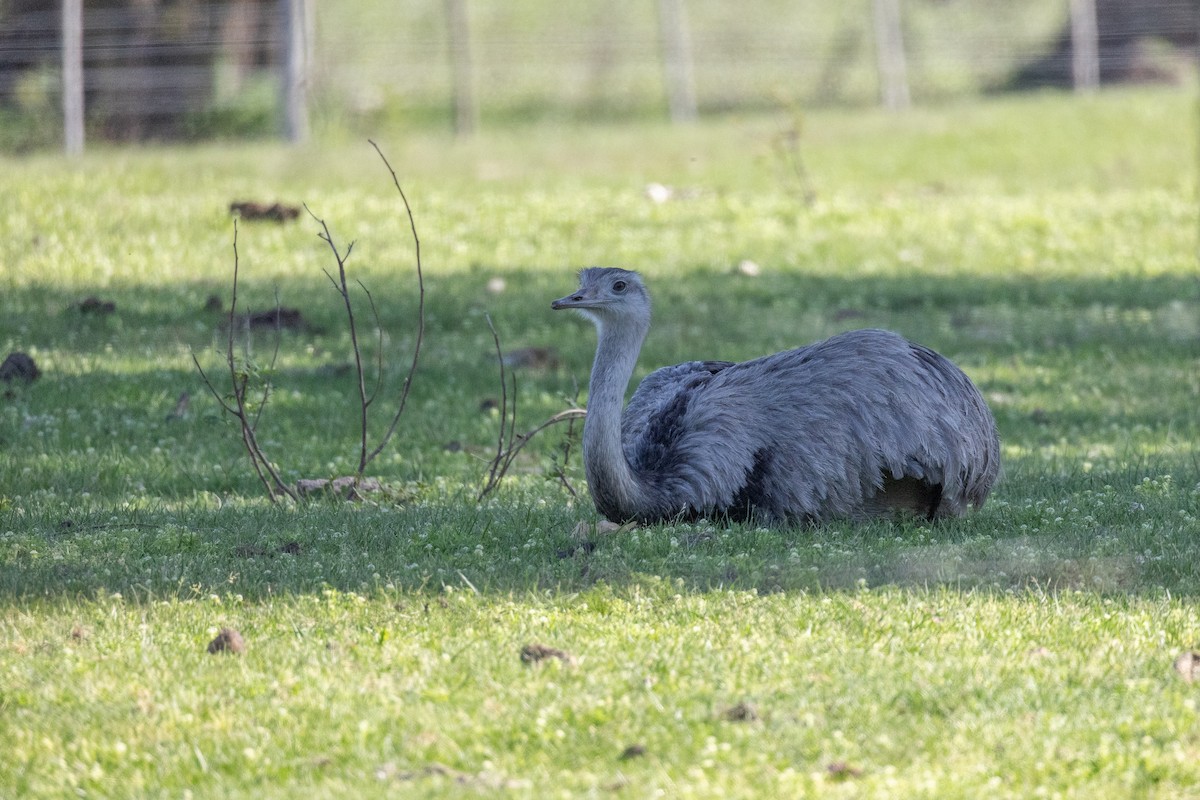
(1127, 533)
(975, 310)
(1119, 529)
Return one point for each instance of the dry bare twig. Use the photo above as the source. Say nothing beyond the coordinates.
(412, 369)
(240, 377)
(568, 442)
(239, 380)
(509, 443)
(341, 285)
(787, 146)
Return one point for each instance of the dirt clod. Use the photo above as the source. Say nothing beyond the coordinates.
(1187, 664)
(19, 366)
(633, 751)
(536, 653)
(281, 317)
(269, 212)
(227, 641)
(742, 712)
(94, 305)
(841, 771)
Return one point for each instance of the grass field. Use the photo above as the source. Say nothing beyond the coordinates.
(1047, 244)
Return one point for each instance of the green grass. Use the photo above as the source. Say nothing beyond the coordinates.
(357, 693)
(1047, 244)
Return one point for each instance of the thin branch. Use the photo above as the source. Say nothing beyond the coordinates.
(500, 448)
(412, 369)
(239, 381)
(509, 443)
(240, 377)
(239, 386)
(251, 446)
(568, 414)
(787, 144)
(379, 344)
(266, 395)
(504, 459)
(560, 471)
(212, 389)
(232, 319)
(343, 289)
(512, 418)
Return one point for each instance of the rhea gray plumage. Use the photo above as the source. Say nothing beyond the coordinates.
(864, 424)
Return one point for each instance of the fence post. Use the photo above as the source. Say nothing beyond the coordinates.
(466, 115)
(1085, 46)
(889, 55)
(677, 60)
(72, 76)
(297, 18)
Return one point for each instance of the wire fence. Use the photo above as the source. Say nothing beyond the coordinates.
(192, 68)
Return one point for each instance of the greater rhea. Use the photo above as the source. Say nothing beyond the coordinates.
(862, 425)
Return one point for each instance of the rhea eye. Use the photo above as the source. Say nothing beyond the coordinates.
(619, 287)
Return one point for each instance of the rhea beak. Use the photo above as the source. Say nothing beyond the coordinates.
(570, 301)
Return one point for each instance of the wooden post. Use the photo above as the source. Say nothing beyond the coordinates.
(889, 55)
(72, 75)
(466, 115)
(297, 18)
(677, 60)
(1085, 46)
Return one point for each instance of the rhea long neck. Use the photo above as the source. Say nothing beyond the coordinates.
(615, 488)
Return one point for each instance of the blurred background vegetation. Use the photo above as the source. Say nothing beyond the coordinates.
(197, 69)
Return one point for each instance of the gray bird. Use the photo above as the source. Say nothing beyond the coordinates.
(865, 424)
